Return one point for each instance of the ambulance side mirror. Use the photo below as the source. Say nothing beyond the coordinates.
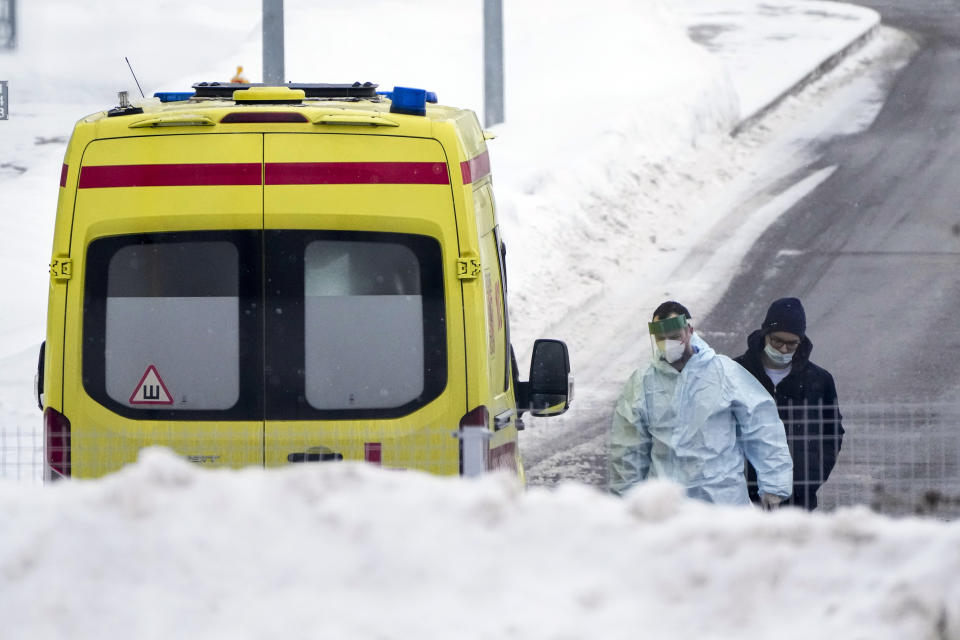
(550, 386)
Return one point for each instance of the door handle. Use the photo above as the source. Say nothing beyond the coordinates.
(314, 456)
(502, 419)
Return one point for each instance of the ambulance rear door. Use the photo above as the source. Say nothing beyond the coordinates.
(364, 327)
(164, 320)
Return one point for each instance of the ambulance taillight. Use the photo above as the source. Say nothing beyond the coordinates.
(56, 444)
(372, 452)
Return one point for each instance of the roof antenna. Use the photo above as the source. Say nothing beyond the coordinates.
(134, 76)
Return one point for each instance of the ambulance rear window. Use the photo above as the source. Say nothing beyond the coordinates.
(162, 318)
(173, 307)
(355, 324)
(364, 325)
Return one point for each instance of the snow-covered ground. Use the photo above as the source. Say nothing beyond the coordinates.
(614, 164)
(166, 550)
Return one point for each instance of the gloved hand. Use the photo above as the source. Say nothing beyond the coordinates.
(769, 502)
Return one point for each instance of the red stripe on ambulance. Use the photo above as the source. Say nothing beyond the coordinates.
(276, 174)
(287, 173)
(170, 175)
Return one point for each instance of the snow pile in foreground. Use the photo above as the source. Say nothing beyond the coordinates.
(164, 549)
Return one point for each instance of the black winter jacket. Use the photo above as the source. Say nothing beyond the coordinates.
(807, 400)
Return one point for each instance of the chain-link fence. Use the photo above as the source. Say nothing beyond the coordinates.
(33, 456)
(897, 458)
(900, 459)
(21, 454)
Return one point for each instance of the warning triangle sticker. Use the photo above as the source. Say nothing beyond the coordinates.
(150, 389)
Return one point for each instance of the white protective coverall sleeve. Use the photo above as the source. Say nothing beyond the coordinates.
(761, 433)
(630, 440)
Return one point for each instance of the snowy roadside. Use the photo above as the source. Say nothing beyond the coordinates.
(650, 206)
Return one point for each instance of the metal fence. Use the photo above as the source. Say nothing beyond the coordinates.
(21, 454)
(896, 458)
(899, 459)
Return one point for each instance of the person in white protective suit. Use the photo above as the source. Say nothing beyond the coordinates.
(691, 416)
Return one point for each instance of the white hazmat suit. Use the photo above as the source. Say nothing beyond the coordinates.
(694, 426)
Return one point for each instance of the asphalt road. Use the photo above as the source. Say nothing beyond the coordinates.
(874, 252)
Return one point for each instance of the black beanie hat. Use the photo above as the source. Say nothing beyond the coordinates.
(785, 314)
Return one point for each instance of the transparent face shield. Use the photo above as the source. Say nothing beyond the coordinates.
(667, 338)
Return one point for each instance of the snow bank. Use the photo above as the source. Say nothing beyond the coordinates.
(164, 549)
(606, 104)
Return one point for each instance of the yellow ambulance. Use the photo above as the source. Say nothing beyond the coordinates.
(264, 275)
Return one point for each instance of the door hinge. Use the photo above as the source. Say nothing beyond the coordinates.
(468, 268)
(61, 269)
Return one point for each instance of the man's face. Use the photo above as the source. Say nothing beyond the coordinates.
(682, 335)
(783, 341)
(679, 334)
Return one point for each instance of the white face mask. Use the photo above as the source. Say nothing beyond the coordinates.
(782, 359)
(672, 350)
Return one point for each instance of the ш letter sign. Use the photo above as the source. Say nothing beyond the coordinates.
(150, 389)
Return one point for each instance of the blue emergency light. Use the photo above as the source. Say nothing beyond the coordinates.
(409, 101)
(173, 96)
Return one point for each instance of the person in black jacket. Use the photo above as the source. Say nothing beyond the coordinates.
(778, 355)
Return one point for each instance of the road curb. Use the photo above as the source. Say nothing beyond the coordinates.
(816, 73)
